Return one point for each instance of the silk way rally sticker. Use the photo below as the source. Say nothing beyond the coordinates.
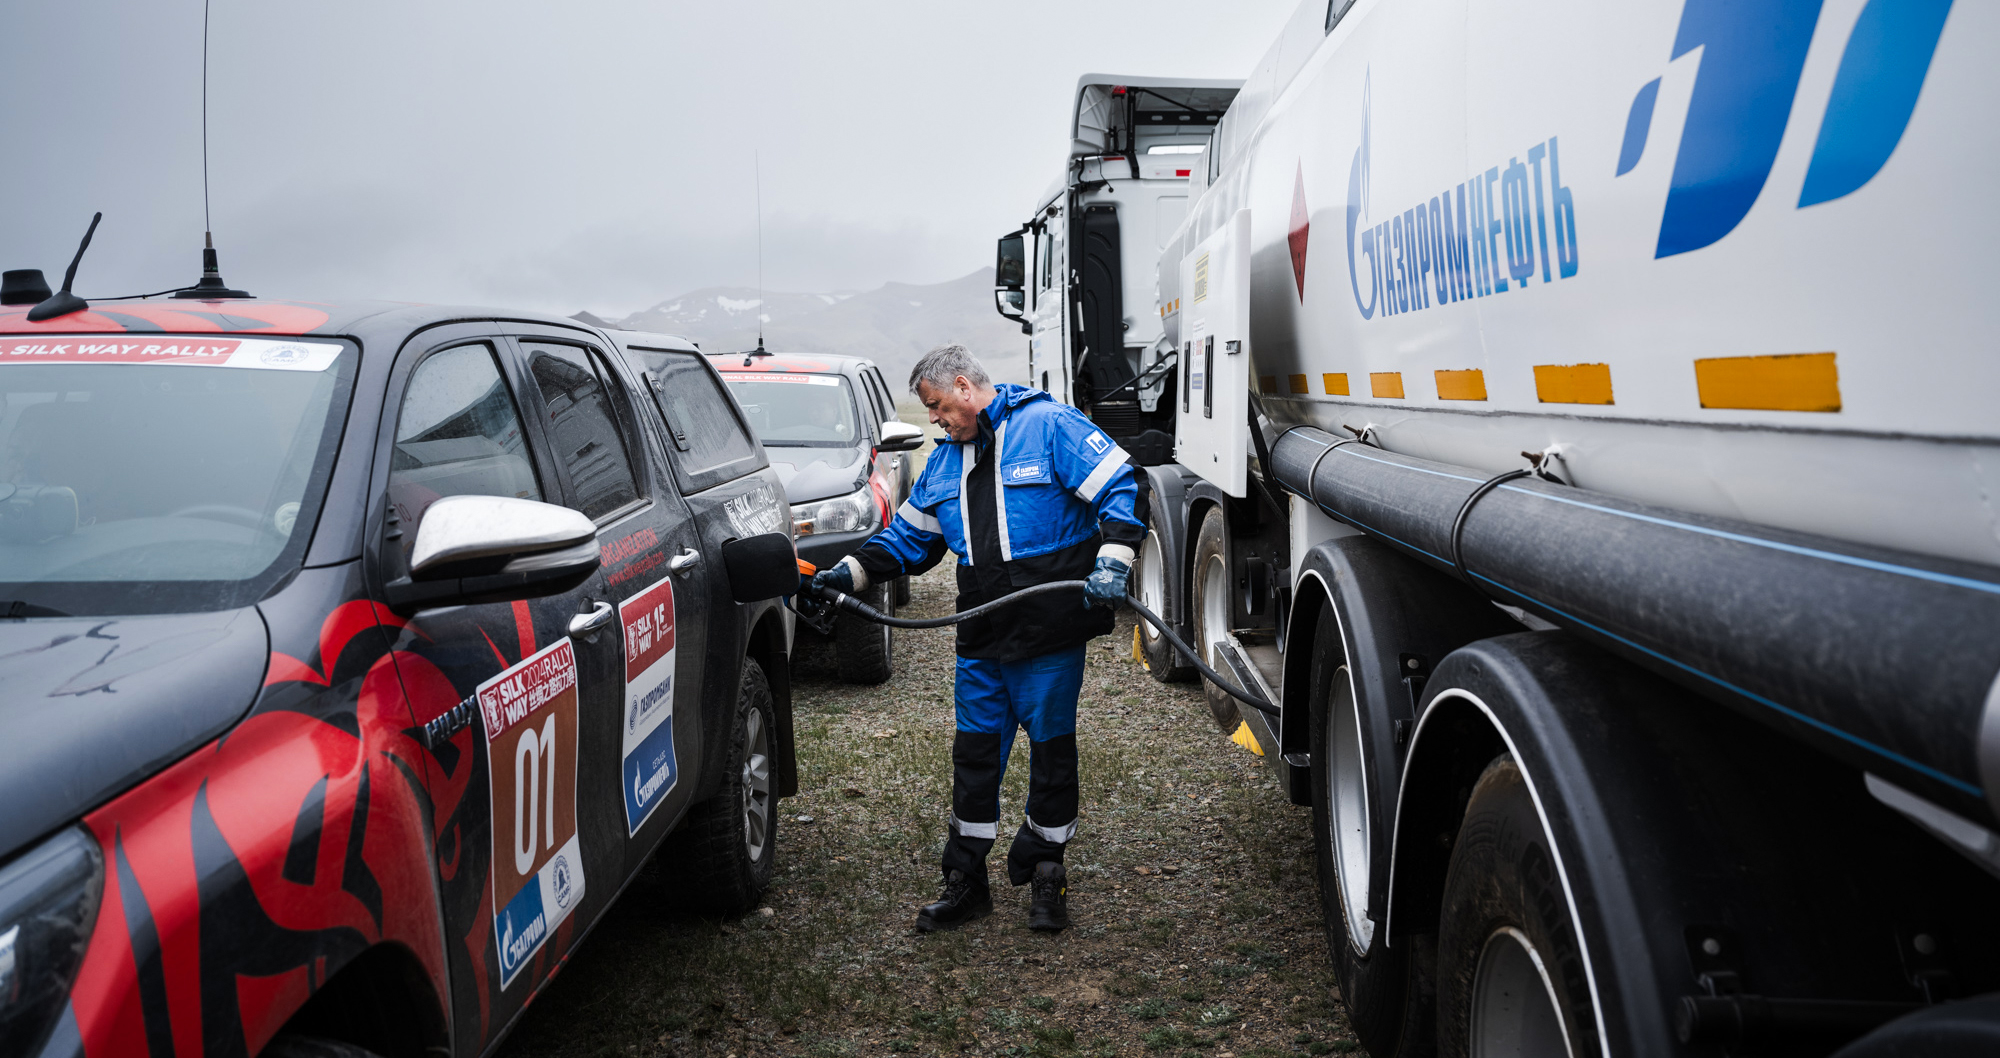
(650, 771)
(255, 353)
(530, 713)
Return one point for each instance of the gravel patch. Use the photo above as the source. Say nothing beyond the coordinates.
(1197, 922)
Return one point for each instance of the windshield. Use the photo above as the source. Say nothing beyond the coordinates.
(160, 474)
(793, 409)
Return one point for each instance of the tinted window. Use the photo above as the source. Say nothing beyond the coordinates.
(457, 435)
(582, 427)
(701, 418)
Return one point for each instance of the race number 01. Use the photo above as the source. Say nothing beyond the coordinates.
(528, 784)
(530, 714)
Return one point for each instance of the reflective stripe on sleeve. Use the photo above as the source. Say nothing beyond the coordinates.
(989, 831)
(917, 519)
(1094, 484)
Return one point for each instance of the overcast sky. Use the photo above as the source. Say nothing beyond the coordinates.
(587, 154)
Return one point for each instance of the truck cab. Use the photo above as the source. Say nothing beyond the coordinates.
(1079, 273)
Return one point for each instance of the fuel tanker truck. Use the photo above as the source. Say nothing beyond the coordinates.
(1579, 421)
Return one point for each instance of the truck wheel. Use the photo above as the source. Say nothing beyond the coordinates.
(1211, 612)
(864, 651)
(1149, 583)
(903, 591)
(720, 857)
(1389, 992)
(1510, 973)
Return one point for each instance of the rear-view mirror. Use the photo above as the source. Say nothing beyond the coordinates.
(900, 437)
(761, 567)
(473, 549)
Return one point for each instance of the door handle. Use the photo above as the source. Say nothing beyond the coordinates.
(688, 559)
(584, 624)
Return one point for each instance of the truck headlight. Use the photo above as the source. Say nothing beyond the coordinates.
(842, 514)
(48, 902)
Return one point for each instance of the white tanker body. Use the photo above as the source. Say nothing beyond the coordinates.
(1689, 741)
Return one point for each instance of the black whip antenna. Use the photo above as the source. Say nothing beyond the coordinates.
(62, 302)
(211, 286)
(757, 163)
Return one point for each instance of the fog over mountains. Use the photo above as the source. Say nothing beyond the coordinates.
(891, 325)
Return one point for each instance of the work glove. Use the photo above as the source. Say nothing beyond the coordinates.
(838, 577)
(1106, 585)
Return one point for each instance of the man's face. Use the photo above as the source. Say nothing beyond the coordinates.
(955, 410)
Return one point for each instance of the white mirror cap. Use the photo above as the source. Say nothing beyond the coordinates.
(457, 528)
(899, 431)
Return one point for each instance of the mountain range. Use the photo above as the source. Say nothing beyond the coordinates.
(892, 325)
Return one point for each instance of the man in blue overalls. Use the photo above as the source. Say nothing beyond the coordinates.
(1029, 492)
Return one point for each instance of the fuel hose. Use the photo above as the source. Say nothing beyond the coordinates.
(849, 604)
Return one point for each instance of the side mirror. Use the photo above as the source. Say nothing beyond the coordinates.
(1011, 304)
(900, 437)
(761, 567)
(1010, 268)
(474, 549)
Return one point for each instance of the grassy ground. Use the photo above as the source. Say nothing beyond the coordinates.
(1197, 925)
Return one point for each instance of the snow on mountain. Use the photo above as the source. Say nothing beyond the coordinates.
(891, 325)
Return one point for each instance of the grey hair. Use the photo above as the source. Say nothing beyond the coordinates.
(941, 367)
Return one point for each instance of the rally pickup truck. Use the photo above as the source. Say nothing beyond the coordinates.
(356, 659)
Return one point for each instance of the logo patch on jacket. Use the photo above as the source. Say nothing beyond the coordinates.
(1025, 473)
(1099, 443)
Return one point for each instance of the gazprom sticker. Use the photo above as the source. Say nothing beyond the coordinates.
(531, 729)
(1025, 473)
(650, 770)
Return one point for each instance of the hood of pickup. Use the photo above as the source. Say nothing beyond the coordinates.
(93, 705)
(812, 474)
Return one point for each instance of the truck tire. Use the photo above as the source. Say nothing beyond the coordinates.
(1149, 582)
(720, 858)
(1509, 977)
(903, 591)
(1210, 594)
(1390, 993)
(864, 651)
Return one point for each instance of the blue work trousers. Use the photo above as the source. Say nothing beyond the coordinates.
(994, 698)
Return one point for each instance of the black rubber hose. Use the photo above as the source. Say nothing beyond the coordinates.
(852, 605)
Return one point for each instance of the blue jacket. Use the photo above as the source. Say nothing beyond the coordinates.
(1062, 490)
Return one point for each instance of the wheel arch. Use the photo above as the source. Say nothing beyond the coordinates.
(381, 1000)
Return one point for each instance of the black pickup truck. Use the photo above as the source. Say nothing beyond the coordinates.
(356, 658)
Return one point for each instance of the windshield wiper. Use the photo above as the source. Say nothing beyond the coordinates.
(17, 610)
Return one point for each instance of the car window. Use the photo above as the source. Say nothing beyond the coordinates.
(457, 434)
(888, 406)
(181, 477)
(702, 420)
(582, 427)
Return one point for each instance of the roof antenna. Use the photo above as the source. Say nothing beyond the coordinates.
(211, 286)
(757, 161)
(62, 302)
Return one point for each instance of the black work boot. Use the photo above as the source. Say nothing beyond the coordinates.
(1049, 912)
(964, 899)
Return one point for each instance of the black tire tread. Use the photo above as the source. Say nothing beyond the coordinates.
(1211, 540)
(861, 653)
(704, 862)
